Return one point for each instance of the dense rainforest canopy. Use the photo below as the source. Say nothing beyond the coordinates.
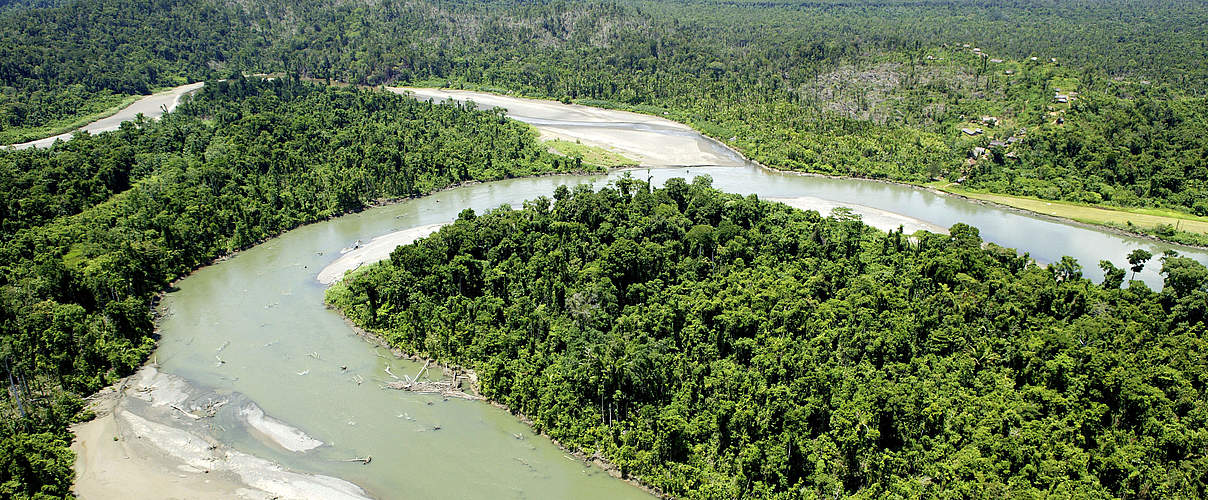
(94, 228)
(719, 346)
(865, 89)
(818, 341)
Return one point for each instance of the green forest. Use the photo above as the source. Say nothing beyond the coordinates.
(719, 346)
(713, 346)
(95, 228)
(880, 90)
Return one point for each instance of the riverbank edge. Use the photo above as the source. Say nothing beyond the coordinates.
(85, 121)
(743, 154)
(80, 122)
(940, 192)
(596, 459)
(621, 107)
(158, 314)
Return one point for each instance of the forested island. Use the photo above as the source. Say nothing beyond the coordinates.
(719, 346)
(712, 345)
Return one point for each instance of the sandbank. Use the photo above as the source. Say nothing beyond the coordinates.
(376, 250)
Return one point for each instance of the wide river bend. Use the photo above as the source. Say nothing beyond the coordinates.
(304, 391)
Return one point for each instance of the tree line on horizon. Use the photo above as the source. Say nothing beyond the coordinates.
(827, 87)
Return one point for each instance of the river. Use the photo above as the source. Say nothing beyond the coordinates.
(252, 330)
(152, 106)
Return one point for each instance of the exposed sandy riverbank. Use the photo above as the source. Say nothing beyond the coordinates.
(153, 439)
(650, 140)
(108, 468)
(376, 250)
(152, 106)
(875, 217)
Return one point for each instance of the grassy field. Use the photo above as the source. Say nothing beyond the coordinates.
(590, 154)
(24, 134)
(1142, 218)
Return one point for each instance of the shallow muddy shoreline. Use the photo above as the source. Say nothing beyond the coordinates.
(156, 467)
(155, 432)
(596, 460)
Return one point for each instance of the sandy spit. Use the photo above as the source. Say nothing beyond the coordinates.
(650, 140)
(377, 249)
(875, 217)
(152, 438)
(285, 435)
(109, 468)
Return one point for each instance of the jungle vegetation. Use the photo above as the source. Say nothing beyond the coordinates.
(1089, 389)
(719, 346)
(94, 228)
(878, 90)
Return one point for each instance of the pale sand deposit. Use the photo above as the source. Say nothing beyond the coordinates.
(650, 140)
(152, 107)
(125, 468)
(875, 217)
(279, 432)
(376, 250)
(150, 440)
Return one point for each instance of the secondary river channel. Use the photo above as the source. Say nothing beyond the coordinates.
(299, 388)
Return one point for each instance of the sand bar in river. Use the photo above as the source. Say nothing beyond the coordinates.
(377, 249)
(650, 140)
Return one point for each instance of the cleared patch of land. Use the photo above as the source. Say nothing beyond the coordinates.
(1140, 217)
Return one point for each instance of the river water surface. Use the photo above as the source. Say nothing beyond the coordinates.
(255, 324)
